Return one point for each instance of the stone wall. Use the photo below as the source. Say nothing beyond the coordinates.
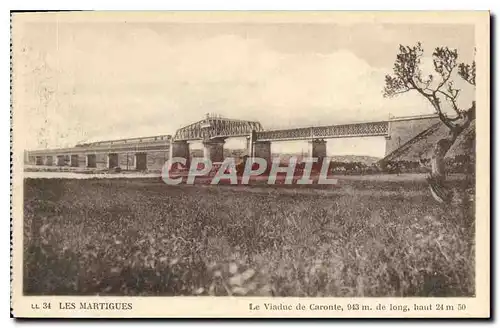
(156, 160)
(101, 161)
(317, 149)
(262, 149)
(214, 150)
(403, 130)
(49, 160)
(127, 160)
(82, 160)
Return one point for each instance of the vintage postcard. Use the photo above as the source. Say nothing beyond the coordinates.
(250, 164)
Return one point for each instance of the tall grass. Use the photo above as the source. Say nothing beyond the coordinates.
(125, 237)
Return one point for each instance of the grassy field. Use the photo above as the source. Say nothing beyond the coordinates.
(142, 237)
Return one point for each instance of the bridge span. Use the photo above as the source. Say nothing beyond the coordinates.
(150, 153)
(366, 129)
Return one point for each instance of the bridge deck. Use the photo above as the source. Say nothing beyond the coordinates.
(136, 147)
(324, 132)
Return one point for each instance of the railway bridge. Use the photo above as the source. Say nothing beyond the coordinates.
(150, 153)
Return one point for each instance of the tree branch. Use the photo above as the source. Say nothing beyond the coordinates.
(452, 101)
(400, 92)
(408, 76)
(468, 72)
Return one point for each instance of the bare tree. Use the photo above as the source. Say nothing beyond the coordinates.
(439, 89)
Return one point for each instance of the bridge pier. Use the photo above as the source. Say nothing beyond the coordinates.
(112, 160)
(250, 143)
(49, 160)
(262, 149)
(61, 160)
(214, 150)
(141, 161)
(317, 149)
(91, 160)
(74, 161)
(179, 149)
(156, 159)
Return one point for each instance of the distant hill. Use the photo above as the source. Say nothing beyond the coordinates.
(368, 160)
(227, 152)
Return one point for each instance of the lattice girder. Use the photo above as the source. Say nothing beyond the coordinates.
(215, 127)
(332, 131)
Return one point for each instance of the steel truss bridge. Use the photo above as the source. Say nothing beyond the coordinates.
(218, 127)
(212, 128)
(324, 132)
(151, 152)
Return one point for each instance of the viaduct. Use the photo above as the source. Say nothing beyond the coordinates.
(150, 153)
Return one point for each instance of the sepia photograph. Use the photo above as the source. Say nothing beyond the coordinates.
(253, 155)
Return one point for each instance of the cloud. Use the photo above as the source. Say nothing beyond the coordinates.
(109, 85)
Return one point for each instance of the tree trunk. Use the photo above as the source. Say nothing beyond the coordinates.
(440, 191)
(438, 167)
(437, 177)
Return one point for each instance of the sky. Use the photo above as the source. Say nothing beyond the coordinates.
(89, 81)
